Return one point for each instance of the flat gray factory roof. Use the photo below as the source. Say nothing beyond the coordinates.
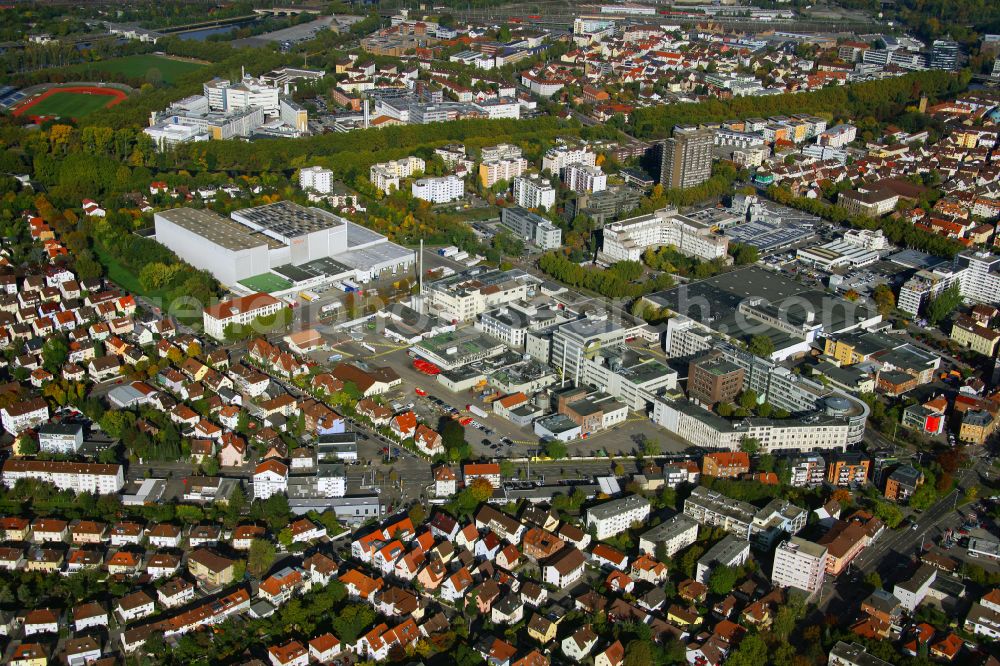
(714, 302)
(288, 219)
(365, 258)
(311, 269)
(767, 237)
(216, 229)
(358, 235)
(916, 259)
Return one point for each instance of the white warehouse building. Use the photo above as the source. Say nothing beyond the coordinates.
(277, 236)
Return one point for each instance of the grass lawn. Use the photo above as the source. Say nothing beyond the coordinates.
(139, 65)
(477, 214)
(70, 104)
(122, 276)
(266, 282)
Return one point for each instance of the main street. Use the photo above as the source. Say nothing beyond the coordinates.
(905, 542)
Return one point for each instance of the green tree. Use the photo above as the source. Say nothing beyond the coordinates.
(453, 439)
(210, 466)
(351, 621)
(743, 254)
(923, 497)
(888, 513)
(752, 651)
(787, 616)
(750, 445)
(939, 308)
(27, 445)
(885, 299)
(417, 513)
(236, 504)
(689, 560)
(556, 449)
(261, 557)
(55, 351)
(761, 345)
(274, 510)
(723, 579)
(639, 653)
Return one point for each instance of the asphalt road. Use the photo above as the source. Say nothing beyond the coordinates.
(905, 542)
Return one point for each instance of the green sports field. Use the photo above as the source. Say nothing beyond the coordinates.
(266, 282)
(138, 66)
(70, 104)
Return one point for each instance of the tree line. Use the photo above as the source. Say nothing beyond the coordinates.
(881, 99)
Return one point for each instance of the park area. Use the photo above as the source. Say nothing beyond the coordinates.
(70, 102)
(146, 67)
(266, 282)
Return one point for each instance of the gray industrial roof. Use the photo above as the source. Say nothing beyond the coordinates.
(288, 219)
(216, 229)
(366, 258)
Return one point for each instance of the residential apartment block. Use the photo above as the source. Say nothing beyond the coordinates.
(800, 564)
(616, 516)
(628, 239)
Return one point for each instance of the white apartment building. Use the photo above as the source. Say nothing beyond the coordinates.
(438, 190)
(976, 273)
(675, 534)
(316, 178)
(808, 471)
(837, 136)
(501, 151)
(583, 178)
(24, 415)
(983, 618)
(510, 324)
(800, 564)
(238, 311)
(616, 516)
(385, 175)
(751, 156)
(270, 478)
(712, 508)
(868, 239)
(534, 192)
(732, 551)
(557, 159)
(911, 592)
(494, 171)
(980, 279)
(532, 227)
(78, 477)
(60, 438)
(572, 341)
(628, 239)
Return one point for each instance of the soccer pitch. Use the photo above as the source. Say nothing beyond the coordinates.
(266, 282)
(71, 104)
